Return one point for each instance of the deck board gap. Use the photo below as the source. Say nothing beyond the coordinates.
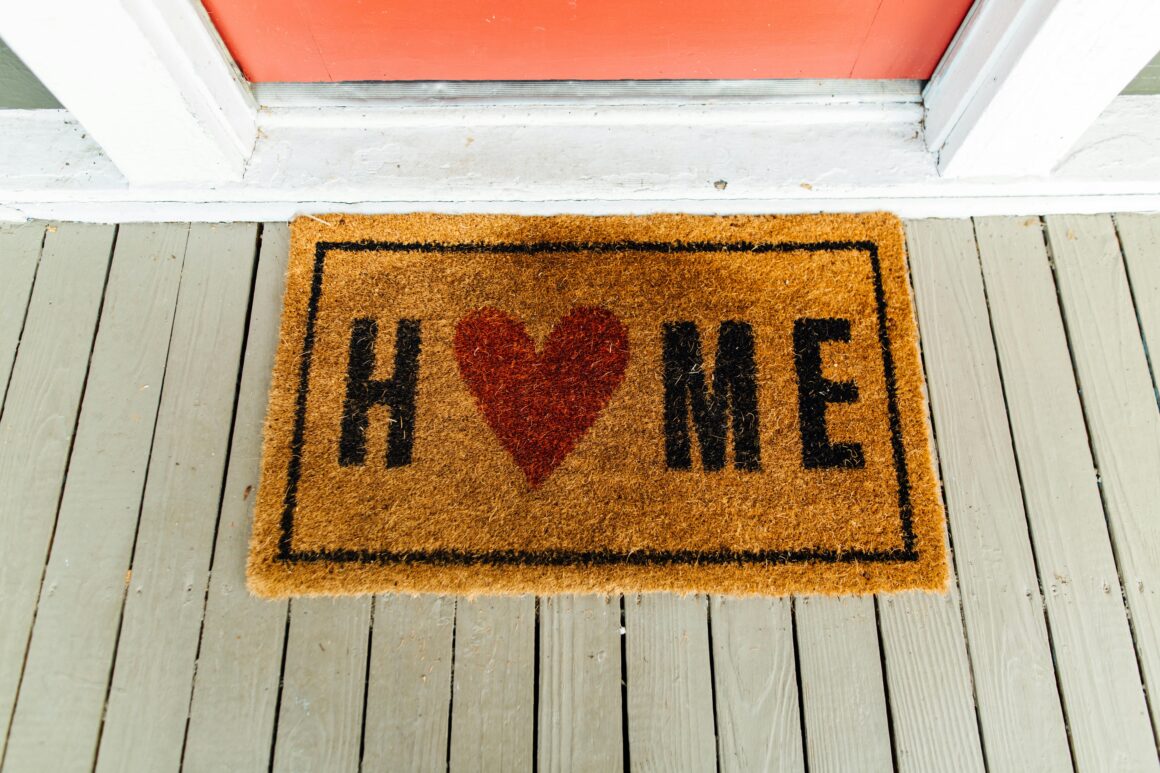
(451, 683)
(109, 679)
(149, 458)
(797, 667)
(362, 737)
(23, 322)
(1063, 704)
(1148, 698)
(1136, 310)
(535, 687)
(886, 686)
(281, 684)
(712, 684)
(233, 418)
(626, 752)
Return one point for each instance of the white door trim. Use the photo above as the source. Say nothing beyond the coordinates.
(152, 83)
(628, 159)
(149, 79)
(1024, 79)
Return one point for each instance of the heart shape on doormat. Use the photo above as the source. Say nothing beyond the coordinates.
(540, 404)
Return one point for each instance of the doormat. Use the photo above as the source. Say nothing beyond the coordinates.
(501, 404)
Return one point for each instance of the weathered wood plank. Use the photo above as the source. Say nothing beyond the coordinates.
(929, 678)
(19, 254)
(928, 675)
(1018, 702)
(1140, 242)
(580, 711)
(843, 700)
(153, 675)
(1095, 660)
(492, 687)
(755, 678)
(409, 685)
(235, 692)
(320, 719)
(1122, 418)
(62, 696)
(670, 691)
(37, 424)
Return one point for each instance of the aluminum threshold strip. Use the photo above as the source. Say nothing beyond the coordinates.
(367, 94)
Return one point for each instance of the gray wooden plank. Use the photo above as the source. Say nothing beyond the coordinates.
(492, 684)
(843, 700)
(1018, 702)
(152, 678)
(1095, 659)
(670, 691)
(235, 691)
(1140, 241)
(929, 680)
(755, 680)
(932, 704)
(62, 697)
(409, 684)
(1122, 417)
(320, 718)
(37, 424)
(580, 704)
(19, 254)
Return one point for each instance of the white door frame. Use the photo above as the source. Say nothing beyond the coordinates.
(152, 83)
(149, 79)
(1024, 79)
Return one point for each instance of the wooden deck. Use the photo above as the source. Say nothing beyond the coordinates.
(135, 361)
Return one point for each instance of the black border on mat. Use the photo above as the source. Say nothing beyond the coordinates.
(286, 552)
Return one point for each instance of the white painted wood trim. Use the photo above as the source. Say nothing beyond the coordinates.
(741, 157)
(151, 81)
(148, 79)
(1025, 79)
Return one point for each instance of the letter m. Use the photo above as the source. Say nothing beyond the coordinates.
(731, 401)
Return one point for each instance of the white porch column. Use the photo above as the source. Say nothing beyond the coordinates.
(148, 79)
(1025, 78)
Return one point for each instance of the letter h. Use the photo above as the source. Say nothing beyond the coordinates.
(364, 392)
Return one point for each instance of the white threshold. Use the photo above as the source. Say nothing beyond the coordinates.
(528, 153)
(491, 93)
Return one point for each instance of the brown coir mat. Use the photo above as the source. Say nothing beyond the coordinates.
(500, 404)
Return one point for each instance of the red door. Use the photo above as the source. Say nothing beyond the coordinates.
(407, 40)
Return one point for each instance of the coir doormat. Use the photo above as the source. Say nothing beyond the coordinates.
(567, 404)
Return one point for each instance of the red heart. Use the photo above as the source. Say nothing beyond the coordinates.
(539, 405)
